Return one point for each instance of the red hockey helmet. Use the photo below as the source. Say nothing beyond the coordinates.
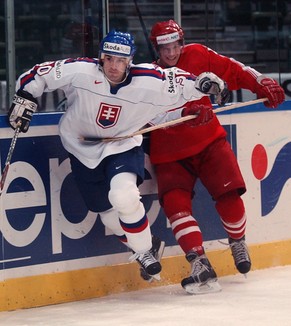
(166, 32)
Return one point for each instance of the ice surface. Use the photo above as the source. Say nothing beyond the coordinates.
(261, 299)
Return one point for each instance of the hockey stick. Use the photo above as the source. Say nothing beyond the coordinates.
(239, 105)
(141, 131)
(173, 122)
(8, 159)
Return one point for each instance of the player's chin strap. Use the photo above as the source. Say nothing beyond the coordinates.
(91, 140)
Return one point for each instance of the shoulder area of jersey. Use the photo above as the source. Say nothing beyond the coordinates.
(193, 47)
(146, 69)
(81, 59)
(145, 66)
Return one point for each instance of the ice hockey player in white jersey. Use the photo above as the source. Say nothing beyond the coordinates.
(111, 97)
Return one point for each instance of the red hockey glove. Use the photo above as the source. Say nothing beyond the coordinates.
(269, 88)
(205, 113)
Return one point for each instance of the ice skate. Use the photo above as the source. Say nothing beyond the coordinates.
(240, 255)
(203, 278)
(157, 251)
(148, 262)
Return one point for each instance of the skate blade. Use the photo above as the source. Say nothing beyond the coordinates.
(152, 278)
(156, 277)
(209, 287)
(147, 277)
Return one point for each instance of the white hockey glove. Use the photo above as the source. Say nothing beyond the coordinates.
(22, 108)
(209, 83)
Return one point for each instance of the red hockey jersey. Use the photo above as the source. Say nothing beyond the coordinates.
(183, 140)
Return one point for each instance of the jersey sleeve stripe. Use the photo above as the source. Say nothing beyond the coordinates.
(140, 72)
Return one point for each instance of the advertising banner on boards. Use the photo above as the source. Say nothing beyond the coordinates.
(45, 226)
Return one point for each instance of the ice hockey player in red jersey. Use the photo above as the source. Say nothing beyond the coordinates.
(198, 149)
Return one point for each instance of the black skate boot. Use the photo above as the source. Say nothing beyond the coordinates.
(157, 251)
(240, 255)
(148, 262)
(203, 278)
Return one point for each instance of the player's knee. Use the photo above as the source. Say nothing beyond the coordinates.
(230, 205)
(125, 199)
(177, 201)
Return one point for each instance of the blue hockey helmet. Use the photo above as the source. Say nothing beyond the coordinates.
(117, 43)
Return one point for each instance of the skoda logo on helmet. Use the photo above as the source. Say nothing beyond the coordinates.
(116, 48)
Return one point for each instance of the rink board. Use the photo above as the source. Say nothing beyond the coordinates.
(53, 250)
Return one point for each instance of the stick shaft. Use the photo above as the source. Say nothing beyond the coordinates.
(142, 131)
(164, 125)
(239, 105)
(8, 159)
(189, 117)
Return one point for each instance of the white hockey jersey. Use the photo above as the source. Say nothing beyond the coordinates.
(95, 109)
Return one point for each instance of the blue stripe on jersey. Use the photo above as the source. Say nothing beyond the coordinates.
(137, 227)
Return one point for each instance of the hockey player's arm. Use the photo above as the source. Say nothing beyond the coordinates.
(240, 76)
(263, 86)
(205, 84)
(167, 116)
(30, 85)
(48, 77)
(45, 77)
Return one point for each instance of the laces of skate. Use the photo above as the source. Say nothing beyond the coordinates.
(197, 267)
(228, 245)
(145, 259)
(239, 249)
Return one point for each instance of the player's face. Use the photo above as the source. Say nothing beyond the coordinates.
(114, 67)
(170, 53)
